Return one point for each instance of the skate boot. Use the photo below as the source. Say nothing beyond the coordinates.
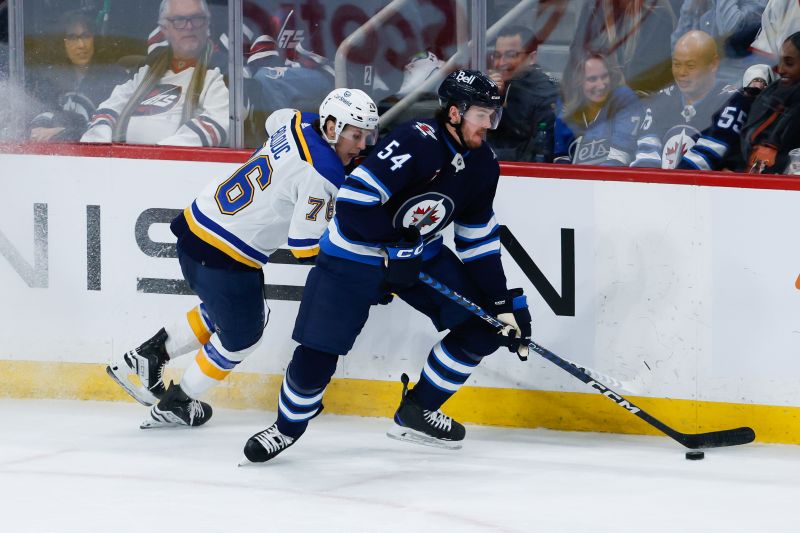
(147, 362)
(266, 444)
(177, 409)
(421, 426)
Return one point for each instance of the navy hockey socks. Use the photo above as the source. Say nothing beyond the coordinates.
(300, 398)
(446, 369)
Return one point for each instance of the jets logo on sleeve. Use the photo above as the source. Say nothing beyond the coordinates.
(425, 130)
(428, 212)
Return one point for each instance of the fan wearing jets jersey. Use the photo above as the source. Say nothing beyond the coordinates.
(283, 194)
(390, 214)
(674, 117)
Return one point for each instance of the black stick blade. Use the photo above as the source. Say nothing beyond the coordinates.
(718, 439)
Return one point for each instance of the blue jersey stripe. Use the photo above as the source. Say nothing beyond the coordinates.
(229, 237)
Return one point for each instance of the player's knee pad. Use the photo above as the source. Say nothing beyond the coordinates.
(474, 338)
(311, 370)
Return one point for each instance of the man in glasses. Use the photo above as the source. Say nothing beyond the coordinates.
(283, 195)
(177, 98)
(390, 215)
(529, 98)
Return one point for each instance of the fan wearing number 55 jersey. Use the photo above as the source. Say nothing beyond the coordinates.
(283, 194)
(390, 214)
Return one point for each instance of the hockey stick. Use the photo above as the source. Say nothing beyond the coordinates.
(712, 439)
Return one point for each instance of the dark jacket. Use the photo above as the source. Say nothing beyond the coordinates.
(774, 120)
(69, 102)
(530, 99)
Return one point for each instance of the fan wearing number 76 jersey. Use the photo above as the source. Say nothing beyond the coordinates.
(283, 194)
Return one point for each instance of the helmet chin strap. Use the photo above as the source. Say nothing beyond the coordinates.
(457, 126)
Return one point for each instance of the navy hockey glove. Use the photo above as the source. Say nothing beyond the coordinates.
(404, 259)
(513, 310)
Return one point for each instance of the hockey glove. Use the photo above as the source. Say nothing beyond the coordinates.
(513, 310)
(404, 259)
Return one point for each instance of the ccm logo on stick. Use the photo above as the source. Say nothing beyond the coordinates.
(614, 396)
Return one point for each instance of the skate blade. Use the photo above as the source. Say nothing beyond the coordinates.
(154, 424)
(140, 394)
(415, 437)
(245, 462)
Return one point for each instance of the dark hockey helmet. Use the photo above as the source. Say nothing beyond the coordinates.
(469, 87)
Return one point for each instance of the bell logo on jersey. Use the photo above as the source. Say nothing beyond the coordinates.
(160, 99)
(427, 212)
(425, 130)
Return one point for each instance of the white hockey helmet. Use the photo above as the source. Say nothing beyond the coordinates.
(350, 107)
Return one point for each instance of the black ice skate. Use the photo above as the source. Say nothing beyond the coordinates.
(177, 409)
(147, 362)
(420, 426)
(266, 444)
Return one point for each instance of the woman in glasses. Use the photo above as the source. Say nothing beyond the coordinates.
(176, 99)
(71, 89)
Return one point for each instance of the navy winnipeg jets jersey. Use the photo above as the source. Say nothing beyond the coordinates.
(719, 145)
(671, 126)
(416, 176)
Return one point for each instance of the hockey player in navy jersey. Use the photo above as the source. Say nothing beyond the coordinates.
(283, 195)
(390, 212)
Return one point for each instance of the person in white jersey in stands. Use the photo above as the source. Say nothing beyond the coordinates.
(284, 195)
(175, 99)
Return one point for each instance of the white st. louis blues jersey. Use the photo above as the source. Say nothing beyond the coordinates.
(283, 195)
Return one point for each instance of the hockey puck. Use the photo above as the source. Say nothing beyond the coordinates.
(695, 455)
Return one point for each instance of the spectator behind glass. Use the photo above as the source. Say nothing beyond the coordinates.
(71, 89)
(780, 19)
(176, 99)
(529, 97)
(598, 121)
(636, 33)
(756, 129)
(674, 118)
(773, 124)
(289, 73)
(732, 23)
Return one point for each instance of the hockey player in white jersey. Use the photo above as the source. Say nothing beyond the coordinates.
(283, 195)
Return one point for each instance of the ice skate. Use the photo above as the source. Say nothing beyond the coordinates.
(177, 409)
(265, 445)
(147, 363)
(421, 426)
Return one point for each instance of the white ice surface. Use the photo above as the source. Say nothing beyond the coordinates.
(85, 467)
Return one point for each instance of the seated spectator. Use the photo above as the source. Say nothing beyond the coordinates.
(289, 73)
(674, 118)
(598, 121)
(635, 32)
(733, 24)
(529, 97)
(176, 99)
(756, 128)
(71, 89)
(780, 19)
